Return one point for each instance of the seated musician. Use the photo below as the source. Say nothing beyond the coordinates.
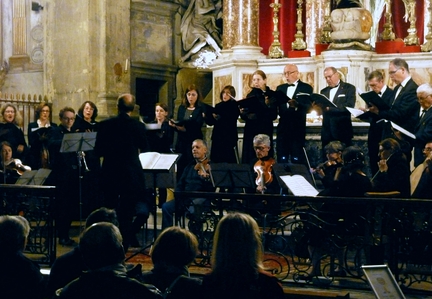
(328, 170)
(265, 179)
(11, 168)
(195, 177)
(421, 177)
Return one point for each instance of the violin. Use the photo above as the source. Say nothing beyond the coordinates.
(203, 169)
(325, 165)
(16, 164)
(263, 168)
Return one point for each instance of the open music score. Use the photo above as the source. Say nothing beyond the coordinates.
(298, 185)
(157, 161)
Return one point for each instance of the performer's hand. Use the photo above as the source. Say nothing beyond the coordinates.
(373, 109)
(20, 148)
(293, 103)
(382, 165)
(260, 189)
(181, 128)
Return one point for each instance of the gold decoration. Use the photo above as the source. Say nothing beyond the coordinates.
(412, 38)
(388, 33)
(326, 29)
(427, 46)
(299, 43)
(275, 50)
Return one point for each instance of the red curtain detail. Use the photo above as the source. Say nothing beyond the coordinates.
(399, 26)
(287, 24)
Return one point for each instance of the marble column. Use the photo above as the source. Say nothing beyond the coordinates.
(240, 28)
(19, 32)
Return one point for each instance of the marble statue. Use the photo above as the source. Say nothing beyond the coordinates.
(351, 27)
(199, 28)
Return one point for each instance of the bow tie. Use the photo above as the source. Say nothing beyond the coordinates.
(289, 85)
(335, 86)
(380, 93)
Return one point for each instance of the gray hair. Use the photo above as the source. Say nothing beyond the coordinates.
(14, 231)
(425, 88)
(262, 139)
(400, 63)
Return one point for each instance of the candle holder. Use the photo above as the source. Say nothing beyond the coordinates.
(326, 30)
(275, 50)
(388, 33)
(299, 43)
(427, 46)
(412, 38)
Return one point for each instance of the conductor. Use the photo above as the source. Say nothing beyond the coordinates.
(123, 179)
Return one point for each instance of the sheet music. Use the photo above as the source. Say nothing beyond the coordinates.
(402, 130)
(355, 112)
(298, 185)
(154, 160)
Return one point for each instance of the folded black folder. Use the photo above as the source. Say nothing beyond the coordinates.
(372, 97)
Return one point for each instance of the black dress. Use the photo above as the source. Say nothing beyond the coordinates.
(14, 135)
(224, 136)
(258, 122)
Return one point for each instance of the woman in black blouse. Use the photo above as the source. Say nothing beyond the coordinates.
(224, 136)
(11, 132)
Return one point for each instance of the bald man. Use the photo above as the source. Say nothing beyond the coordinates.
(119, 141)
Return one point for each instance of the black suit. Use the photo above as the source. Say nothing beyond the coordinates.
(376, 130)
(405, 109)
(119, 141)
(336, 123)
(423, 135)
(291, 130)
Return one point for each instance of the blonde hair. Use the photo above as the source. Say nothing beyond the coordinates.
(18, 121)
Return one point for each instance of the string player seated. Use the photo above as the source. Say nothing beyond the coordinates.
(195, 177)
(329, 169)
(11, 169)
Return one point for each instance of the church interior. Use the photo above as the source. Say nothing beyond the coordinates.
(68, 52)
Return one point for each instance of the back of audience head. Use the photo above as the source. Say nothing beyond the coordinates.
(101, 245)
(237, 245)
(102, 215)
(185, 246)
(14, 231)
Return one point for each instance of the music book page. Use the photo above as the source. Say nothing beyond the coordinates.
(154, 160)
(355, 112)
(298, 185)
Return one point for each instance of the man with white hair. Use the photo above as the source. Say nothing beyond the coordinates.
(423, 131)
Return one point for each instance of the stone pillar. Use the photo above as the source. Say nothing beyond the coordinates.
(19, 32)
(240, 28)
(86, 59)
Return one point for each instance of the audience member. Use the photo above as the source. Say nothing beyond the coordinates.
(237, 269)
(102, 252)
(393, 173)
(224, 133)
(195, 177)
(70, 265)
(170, 272)
(20, 278)
(291, 130)
(11, 132)
(258, 117)
(423, 130)
(336, 122)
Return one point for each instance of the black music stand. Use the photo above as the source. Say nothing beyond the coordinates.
(34, 177)
(156, 165)
(79, 142)
(231, 177)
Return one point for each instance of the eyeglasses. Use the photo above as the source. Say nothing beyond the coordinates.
(427, 149)
(421, 99)
(289, 73)
(260, 148)
(393, 72)
(328, 77)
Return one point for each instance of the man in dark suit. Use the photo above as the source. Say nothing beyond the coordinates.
(376, 128)
(119, 141)
(291, 130)
(404, 110)
(336, 123)
(423, 131)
